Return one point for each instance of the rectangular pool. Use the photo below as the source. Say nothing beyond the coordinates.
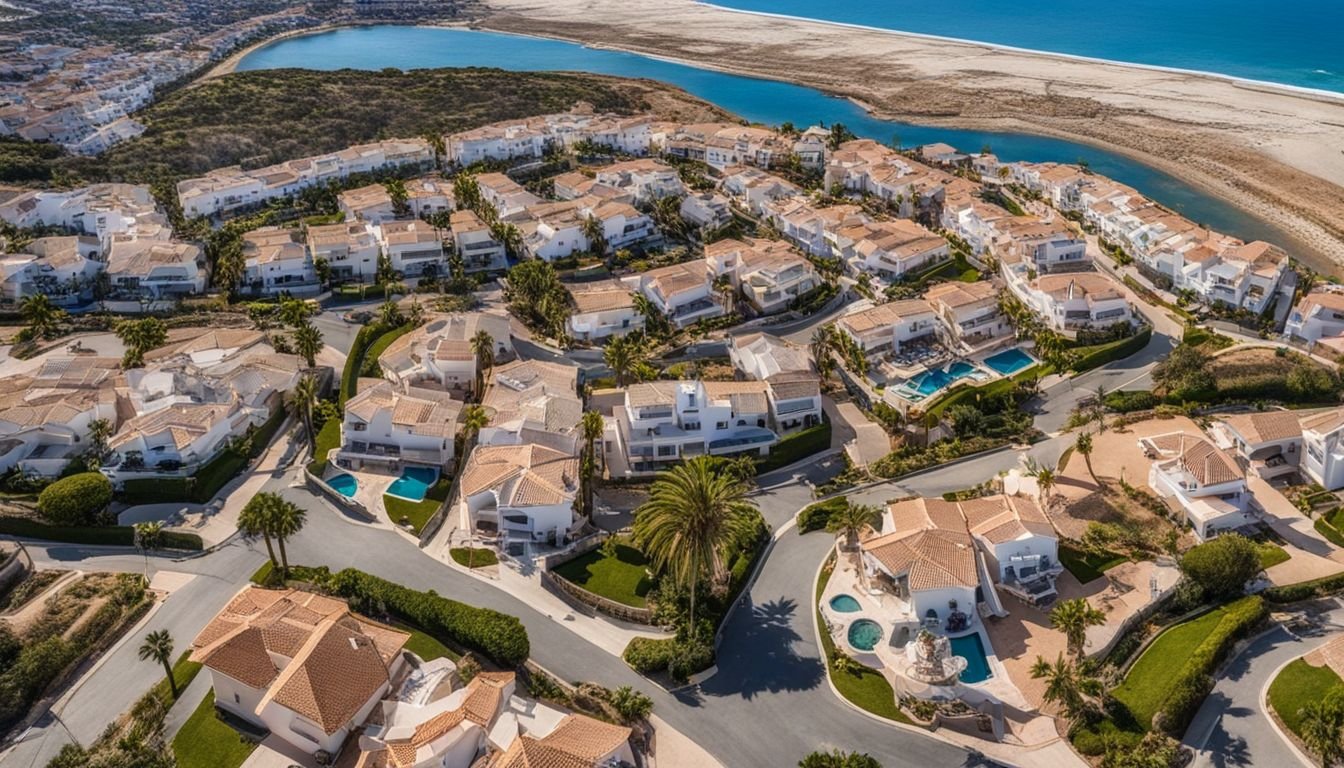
(1009, 361)
(972, 650)
(413, 483)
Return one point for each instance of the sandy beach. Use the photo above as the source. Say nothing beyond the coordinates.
(1277, 153)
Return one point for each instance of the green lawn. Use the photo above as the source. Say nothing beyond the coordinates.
(623, 578)
(426, 647)
(1149, 680)
(1328, 526)
(868, 689)
(418, 512)
(473, 557)
(328, 438)
(1270, 554)
(184, 671)
(1088, 566)
(796, 447)
(1295, 686)
(205, 741)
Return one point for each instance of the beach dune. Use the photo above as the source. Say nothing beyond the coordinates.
(1275, 152)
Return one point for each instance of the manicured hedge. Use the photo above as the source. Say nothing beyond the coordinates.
(1291, 593)
(76, 499)
(796, 447)
(814, 517)
(210, 478)
(328, 437)
(108, 536)
(1116, 350)
(500, 637)
(1127, 400)
(1195, 680)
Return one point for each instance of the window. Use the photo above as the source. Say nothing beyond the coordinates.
(667, 450)
(721, 425)
(236, 698)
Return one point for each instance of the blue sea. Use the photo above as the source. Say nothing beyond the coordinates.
(1292, 42)
(765, 101)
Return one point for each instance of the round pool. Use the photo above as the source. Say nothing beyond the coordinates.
(864, 634)
(844, 604)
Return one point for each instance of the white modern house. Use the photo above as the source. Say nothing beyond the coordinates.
(683, 292)
(386, 427)
(1045, 247)
(299, 665)
(769, 274)
(1322, 452)
(602, 309)
(61, 268)
(667, 421)
(525, 493)
(1269, 442)
(349, 248)
(885, 329)
(1020, 546)
(414, 247)
(969, 316)
(277, 262)
(759, 356)
(1070, 301)
(1201, 480)
(706, 210)
(1319, 315)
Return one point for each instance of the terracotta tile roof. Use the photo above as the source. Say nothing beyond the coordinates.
(919, 514)
(527, 752)
(522, 475)
(1205, 462)
(885, 315)
(1324, 423)
(335, 675)
(793, 385)
(1005, 518)
(586, 737)
(243, 657)
(931, 559)
(601, 296)
(1265, 427)
(652, 393)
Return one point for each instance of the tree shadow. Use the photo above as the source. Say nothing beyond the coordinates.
(758, 654)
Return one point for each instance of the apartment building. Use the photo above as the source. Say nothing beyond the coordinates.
(769, 274)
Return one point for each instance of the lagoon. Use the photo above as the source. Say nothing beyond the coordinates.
(764, 101)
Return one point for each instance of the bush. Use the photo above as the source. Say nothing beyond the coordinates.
(1125, 401)
(1222, 566)
(796, 447)
(1116, 350)
(112, 535)
(815, 517)
(500, 637)
(75, 500)
(647, 655)
(1195, 680)
(1291, 593)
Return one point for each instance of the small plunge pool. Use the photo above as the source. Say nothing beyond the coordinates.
(344, 484)
(864, 634)
(844, 604)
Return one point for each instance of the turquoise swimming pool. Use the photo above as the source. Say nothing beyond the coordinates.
(934, 379)
(413, 483)
(844, 604)
(864, 634)
(972, 650)
(344, 484)
(1009, 361)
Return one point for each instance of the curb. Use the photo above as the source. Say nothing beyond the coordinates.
(1262, 703)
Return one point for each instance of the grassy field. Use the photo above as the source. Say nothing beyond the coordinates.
(417, 513)
(623, 578)
(1298, 684)
(426, 647)
(1088, 566)
(328, 438)
(473, 557)
(1270, 554)
(1149, 680)
(205, 741)
(868, 689)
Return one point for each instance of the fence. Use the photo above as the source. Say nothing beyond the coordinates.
(316, 485)
(580, 598)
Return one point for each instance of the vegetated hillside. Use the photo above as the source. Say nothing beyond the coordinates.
(263, 117)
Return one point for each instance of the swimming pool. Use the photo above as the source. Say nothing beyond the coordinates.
(934, 379)
(344, 484)
(844, 604)
(864, 634)
(413, 483)
(1009, 361)
(972, 650)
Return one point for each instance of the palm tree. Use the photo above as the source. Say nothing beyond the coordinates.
(1073, 617)
(416, 314)
(303, 399)
(40, 314)
(308, 342)
(158, 646)
(1083, 445)
(1045, 481)
(388, 314)
(724, 287)
(654, 320)
(693, 513)
(622, 356)
(593, 426)
(1066, 686)
(483, 344)
(140, 336)
(851, 520)
(1321, 728)
(287, 519)
(254, 521)
(821, 347)
(597, 235)
(474, 419)
(100, 430)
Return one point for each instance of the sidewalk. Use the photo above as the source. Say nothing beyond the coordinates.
(1312, 556)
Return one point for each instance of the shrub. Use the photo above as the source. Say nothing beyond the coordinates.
(1195, 680)
(1222, 566)
(630, 704)
(499, 636)
(647, 655)
(814, 517)
(111, 536)
(1125, 401)
(1291, 593)
(75, 500)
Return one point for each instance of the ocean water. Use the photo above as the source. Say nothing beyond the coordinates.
(764, 101)
(1293, 42)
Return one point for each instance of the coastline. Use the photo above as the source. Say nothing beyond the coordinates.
(1269, 150)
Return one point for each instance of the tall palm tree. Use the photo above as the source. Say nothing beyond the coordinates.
(158, 646)
(254, 521)
(483, 345)
(308, 342)
(474, 419)
(389, 314)
(593, 426)
(1073, 617)
(1083, 445)
(851, 520)
(1066, 686)
(596, 234)
(621, 356)
(100, 431)
(1322, 727)
(693, 513)
(303, 399)
(287, 519)
(40, 314)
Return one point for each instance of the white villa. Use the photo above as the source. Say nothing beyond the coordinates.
(371, 204)
(61, 268)
(1203, 481)
(556, 230)
(1070, 301)
(506, 195)
(760, 356)
(389, 428)
(1269, 442)
(439, 354)
(885, 329)
(645, 179)
(1318, 317)
(177, 436)
(45, 416)
(683, 292)
(350, 249)
(602, 309)
(1323, 448)
(1045, 247)
(706, 210)
(770, 274)
(529, 397)
(277, 262)
(889, 249)
(969, 316)
(414, 247)
(753, 188)
(298, 664)
(475, 243)
(155, 269)
(1020, 546)
(523, 492)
